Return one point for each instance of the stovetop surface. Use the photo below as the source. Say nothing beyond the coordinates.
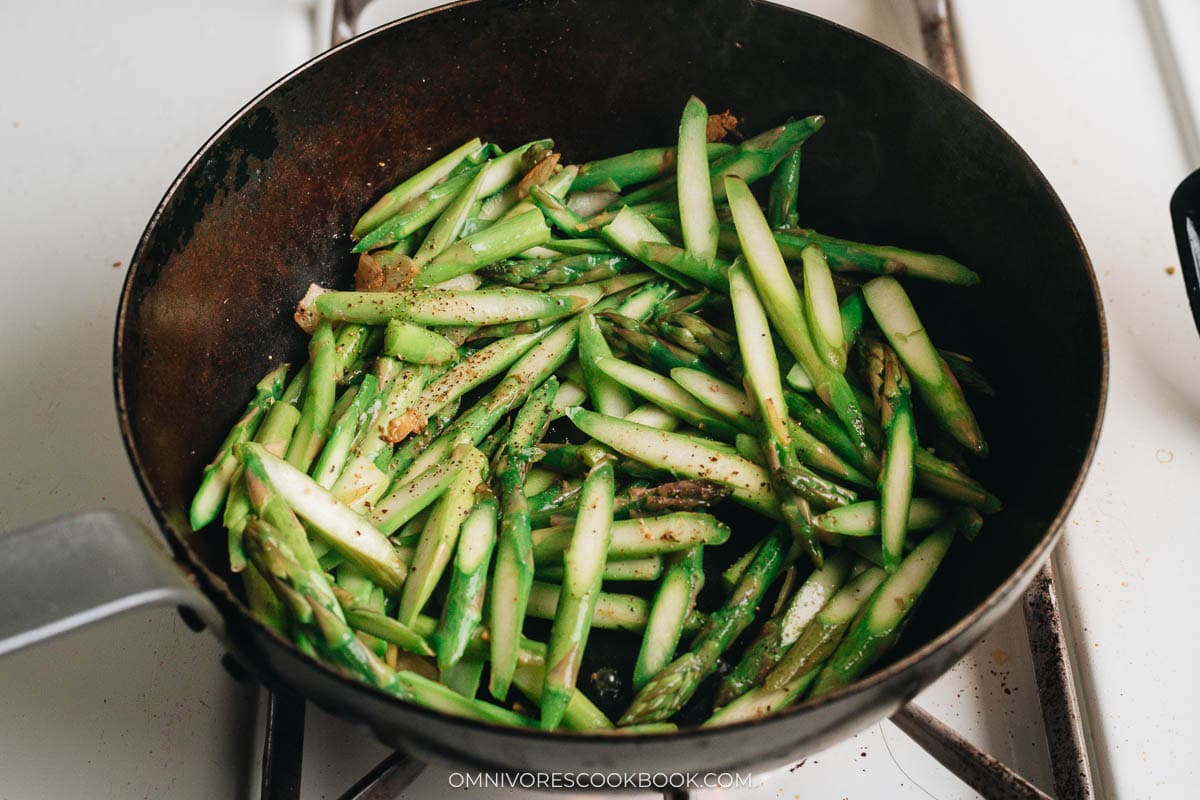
(100, 104)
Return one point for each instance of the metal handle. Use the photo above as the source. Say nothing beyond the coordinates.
(67, 573)
(344, 23)
(1185, 214)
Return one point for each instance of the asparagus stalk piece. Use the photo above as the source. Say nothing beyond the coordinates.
(389, 630)
(754, 158)
(699, 336)
(544, 273)
(442, 307)
(675, 599)
(463, 609)
(682, 455)
(762, 702)
(608, 395)
(341, 436)
(890, 385)
(648, 568)
(935, 383)
(638, 166)
(392, 202)
(665, 393)
(313, 426)
(623, 612)
(821, 309)
(659, 354)
(863, 518)
(504, 239)
(880, 622)
(427, 206)
(474, 370)
(785, 309)
(579, 715)
(724, 398)
(762, 375)
(512, 574)
(337, 525)
(697, 215)
(782, 630)
(670, 689)
(417, 345)
(633, 538)
(641, 501)
(274, 434)
(407, 500)
(785, 190)
(559, 214)
(852, 312)
(820, 637)
(450, 224)
(214, 486)
(584, 562)
(440, 536)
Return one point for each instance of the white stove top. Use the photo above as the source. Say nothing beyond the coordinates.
(101, 103)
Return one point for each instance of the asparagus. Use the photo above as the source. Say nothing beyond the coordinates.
(697, 335)
(559, 214)
(392, 202)
(214, 486)
(821, 635)
(389, 630)
(512, 574)
(935, 383)
(862, 518)
(450, 224)
(890, 385)
(734, 572)
(675, 598)
(608, 395)
(852, 312)
(762, 702)
(544, 273)
(406, 500)
(665, 393)
(638, 166)
(337, 525)
(341, 435)
(504, 239)
(653, 351)
(580, 713)
(417, 345)
(762, 375)
(623, 612)
(697, 215)
(648, 568)
(785, 310)
(463, 609)
(821, 309)
(634, 235)
(639, 501)
(366, 474)
(783, 629)
(426, 207)
(785, 190)
(584, 564)
(643, 536)
(681, 455)
(671, 688)
(754, 158)
(474, 370)
(440, 536)
(313, 426)
(441, 307)
(880, 622)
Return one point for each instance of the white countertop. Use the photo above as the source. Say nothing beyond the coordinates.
(100, 103)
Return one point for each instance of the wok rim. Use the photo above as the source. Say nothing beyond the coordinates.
(1000, 600)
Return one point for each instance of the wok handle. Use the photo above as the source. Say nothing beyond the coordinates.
(64, 574)
(344, 23)
(1185, 217)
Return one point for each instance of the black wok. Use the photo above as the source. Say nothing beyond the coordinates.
(263, 210)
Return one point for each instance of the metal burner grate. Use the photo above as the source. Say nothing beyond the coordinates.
(284, 740)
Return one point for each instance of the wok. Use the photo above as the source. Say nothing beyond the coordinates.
(264, 208)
